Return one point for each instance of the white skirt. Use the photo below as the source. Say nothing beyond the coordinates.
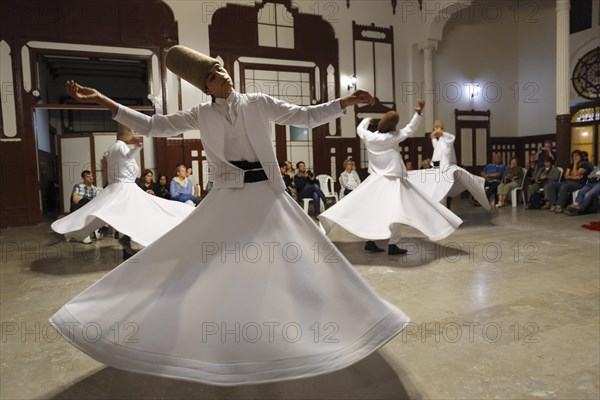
(246, 290)
(449, 181)
(375, 205)
(129, 210)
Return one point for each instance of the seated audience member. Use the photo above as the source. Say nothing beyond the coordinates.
(493, 173)
(147, 183)
(513, 177)
(573, 179)
(190, 175)
(209, 186)
(182, 187)
(584, 202)
(82, 194)
(409, 165)
(547, 174)
(349, 179)
(544, 152)
(426, 163)
(289, 170)
(163, 188)
(308, 187)
(289, 186)
(531, 170)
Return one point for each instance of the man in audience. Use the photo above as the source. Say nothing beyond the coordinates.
(544, 153)
(426, 163)
(308, 187)
(82, 194)
(493, 173)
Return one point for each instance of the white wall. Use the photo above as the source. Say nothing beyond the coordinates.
(479, 45)
(194, 17)
(536, 59)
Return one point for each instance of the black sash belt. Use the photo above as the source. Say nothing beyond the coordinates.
(254, 171)
(435, 163)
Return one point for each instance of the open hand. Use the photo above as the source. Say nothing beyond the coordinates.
(358, 97)
(82, 94)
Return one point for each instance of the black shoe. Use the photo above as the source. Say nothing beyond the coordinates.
(128, 253)
(125, 241)
(372, 247)
(394, 250)
(572, 211)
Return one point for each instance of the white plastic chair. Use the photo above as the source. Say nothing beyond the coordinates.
(342, 190)
(306, 203)
(326, 183)
(575, 194)
(513, 193)
(560, 169)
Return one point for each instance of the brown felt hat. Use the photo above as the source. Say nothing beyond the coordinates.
(190, 65)
(438, 124)
(388, 122)
(124, 133)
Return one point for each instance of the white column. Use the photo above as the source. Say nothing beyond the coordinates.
(427, 47)
(563, 54)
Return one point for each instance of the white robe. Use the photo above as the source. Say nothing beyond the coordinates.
(123, 205)
(386, 199)
(246, 290)
(443, 149)
(448, 180)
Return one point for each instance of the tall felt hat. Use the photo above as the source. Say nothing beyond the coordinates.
(124, 133)
(388, 122)
(190, 65)
(438, 124)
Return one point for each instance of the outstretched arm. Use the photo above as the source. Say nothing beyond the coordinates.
(85, 94)
(311, 116)
(156, 126)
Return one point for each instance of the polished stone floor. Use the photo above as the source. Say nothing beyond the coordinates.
(507, 307)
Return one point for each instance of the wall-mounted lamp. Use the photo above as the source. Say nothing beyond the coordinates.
(352, 82)
(474, 90)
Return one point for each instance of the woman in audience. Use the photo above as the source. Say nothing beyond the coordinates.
(163, 187)
(512, 179)
(147, 183)
(289, 184)
(182, 187)
(573, 179)
(426, 163)
(349, 179)
(289, 169)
